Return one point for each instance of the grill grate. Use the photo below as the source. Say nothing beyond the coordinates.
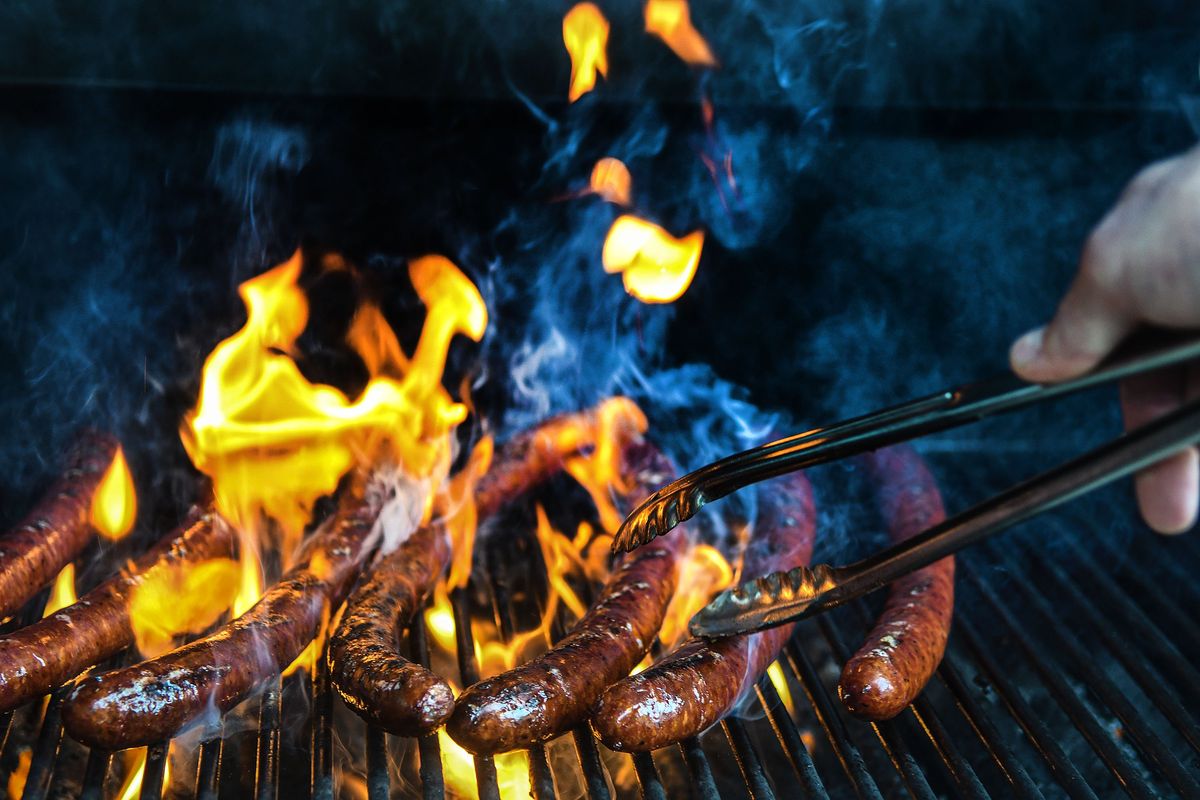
(1075, 681)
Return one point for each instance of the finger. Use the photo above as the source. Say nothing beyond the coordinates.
(1091, 320)
(1168, 492)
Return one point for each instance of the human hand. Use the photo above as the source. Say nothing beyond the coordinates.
(1140, 264)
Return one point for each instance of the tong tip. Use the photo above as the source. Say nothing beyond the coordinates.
(657, 516)
(762, 603)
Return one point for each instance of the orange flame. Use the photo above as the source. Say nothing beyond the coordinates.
(114, 505)
(458, 768)
(704, 573)
(273, 442)
(63, 592)
(20, 774)
(612, 181)
(585, 33)
(656, 267)
(775, 673)
(671, 21)
(618, 420)
(463, 517)
(171, 600)
(135, 771)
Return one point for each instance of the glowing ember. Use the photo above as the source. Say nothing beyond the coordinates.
(63, 592)
(585, 33)
(114, 506)
(671, 21)
(611, 180)
(704, 573)
(655, 266)
(171, 600)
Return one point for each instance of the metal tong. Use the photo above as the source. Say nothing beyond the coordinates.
(788, 596)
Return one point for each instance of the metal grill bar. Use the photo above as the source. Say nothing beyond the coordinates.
(1142, 670)
(1165, 654)
(45, 751)
(699, 769)
(267, 763)
(428, 751)
(1147, 740)
(847, 752)
(153, 772)
(1039, 735)
(888, 733)
(468, 670)
(986, 730)
(1033, 643)
(1083, 719)
(789, 737)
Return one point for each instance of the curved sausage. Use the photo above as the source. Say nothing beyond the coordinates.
(58, 527)
(153, 701)
(553, 692)
(365, 664)
(41, 657)
(906, 645)
(699, 682)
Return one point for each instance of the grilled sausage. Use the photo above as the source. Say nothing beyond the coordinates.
(365, 665)
(906, 645)
(155, 700)
(699, 682)
(58, 528)
(553, 692)
(43, 656)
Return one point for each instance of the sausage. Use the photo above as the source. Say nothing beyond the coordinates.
(39, 658)
(365, 665)
(906, 645)
(700, 681)
(553, 693)
(153, 701)
(58, 527)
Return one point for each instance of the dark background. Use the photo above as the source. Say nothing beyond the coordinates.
(915, 179)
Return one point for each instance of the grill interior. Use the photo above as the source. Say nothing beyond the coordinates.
(1067, 675)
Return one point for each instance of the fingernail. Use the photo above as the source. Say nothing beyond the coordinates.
(1028, 348)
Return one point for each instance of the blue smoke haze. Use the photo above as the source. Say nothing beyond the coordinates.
(912, 183)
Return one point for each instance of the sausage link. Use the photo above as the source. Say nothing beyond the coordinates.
(39, 658)
(906, 645)
(153, 701)
(553, 693)
(365, 664)
(58, 527)
(700, 681)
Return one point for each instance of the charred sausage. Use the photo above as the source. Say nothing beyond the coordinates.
(43, 656)
(906, 645)
(699, 682)
(365, 664)
(58, 528)
(553, 692)
(155, 700)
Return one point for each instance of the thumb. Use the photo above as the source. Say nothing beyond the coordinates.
(1089, 323)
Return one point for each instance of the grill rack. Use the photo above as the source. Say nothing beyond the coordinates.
(1077, 682)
